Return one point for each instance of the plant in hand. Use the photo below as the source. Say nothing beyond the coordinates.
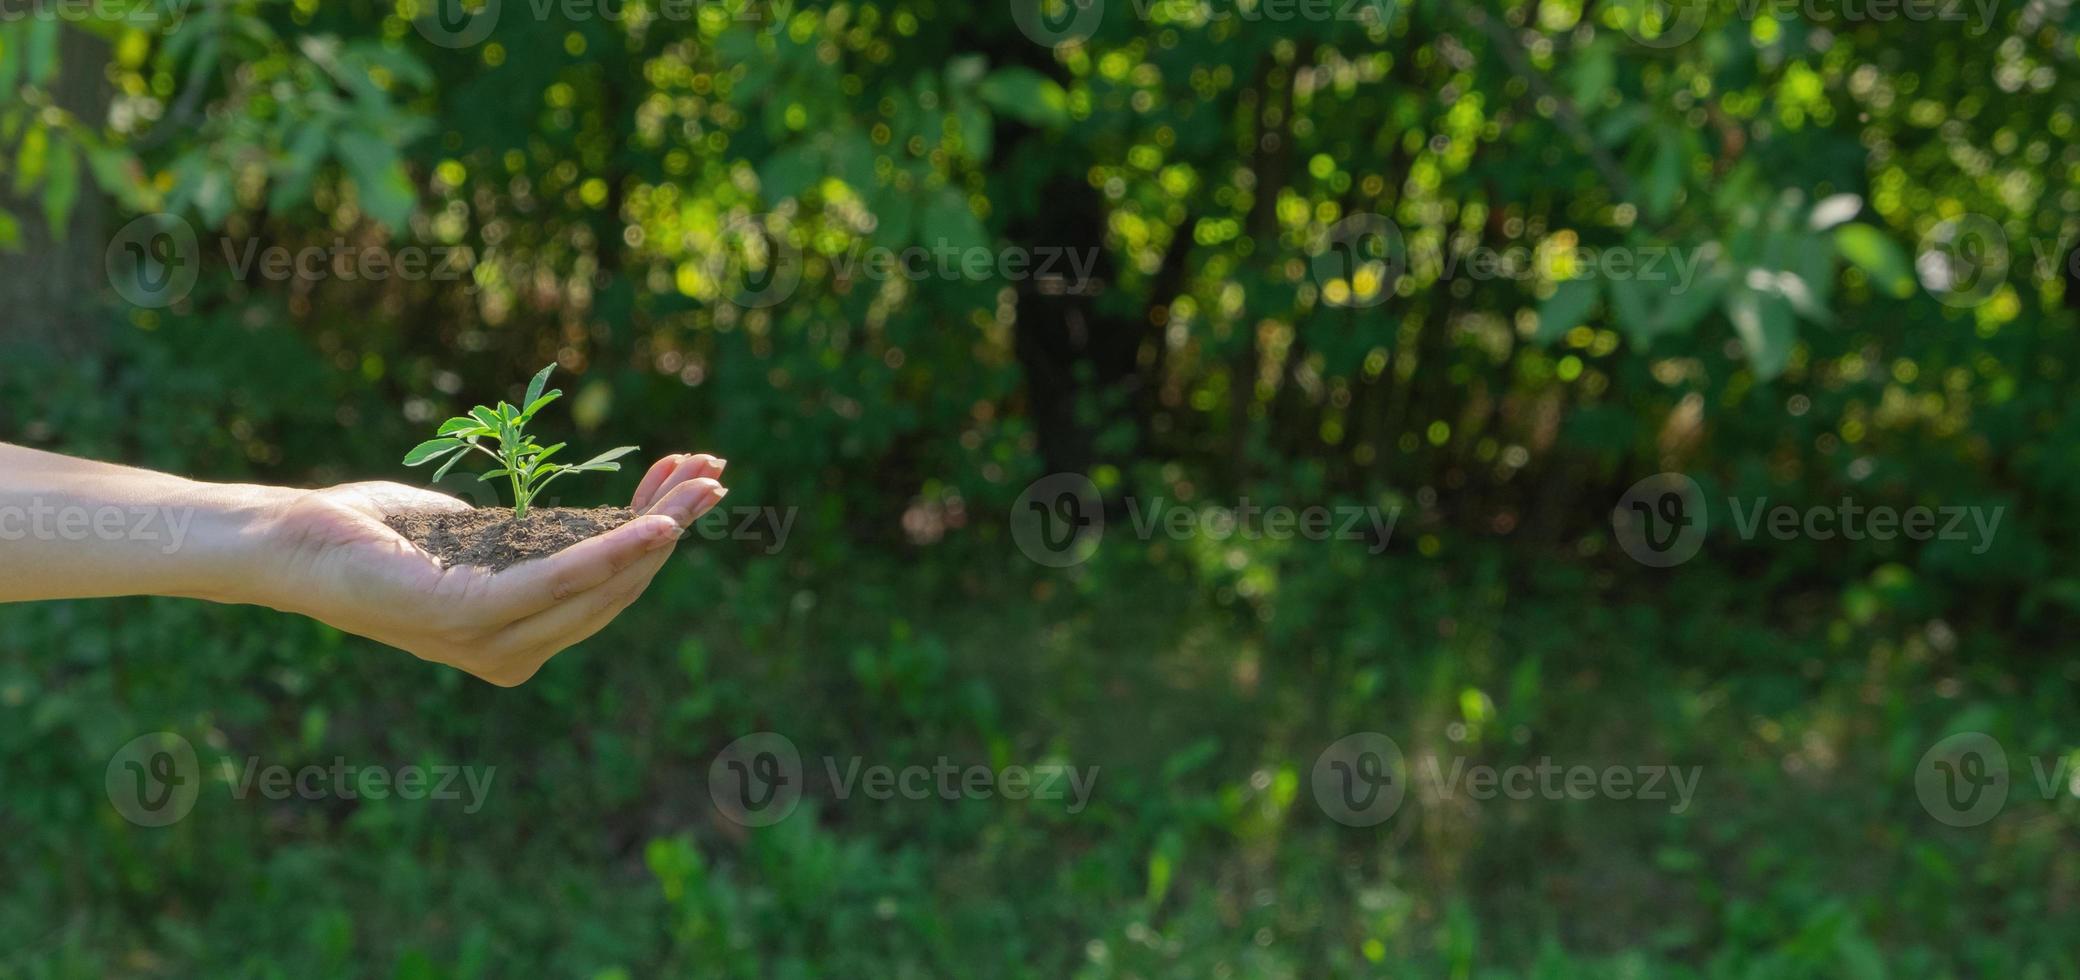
(520, 459)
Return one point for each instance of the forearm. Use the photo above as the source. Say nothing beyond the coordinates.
(72, 528)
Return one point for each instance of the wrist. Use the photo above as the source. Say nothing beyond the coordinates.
(234, 542)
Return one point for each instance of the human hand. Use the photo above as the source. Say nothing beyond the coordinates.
(340, 564)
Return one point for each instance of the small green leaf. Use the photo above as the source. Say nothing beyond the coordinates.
(43, 49)
(1764, 323)
(535, 404)
(384, 190)
(486, 416)
(789, 172)
(292, 184)
(494, 474)
(534, 388)
(1665, 177)
(949, 223)
(458, 424)
(10, 56)
(61, 188)
(449, 465)
(1565, 309)
(1026, 95)
(1834, 210)
(611, 454)
(1877, 255)
(430, 449)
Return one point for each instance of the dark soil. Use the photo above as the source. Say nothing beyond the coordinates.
(491, 538)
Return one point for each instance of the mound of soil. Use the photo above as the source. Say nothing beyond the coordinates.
(491, 538)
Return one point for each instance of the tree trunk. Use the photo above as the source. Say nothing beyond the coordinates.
(48, 287)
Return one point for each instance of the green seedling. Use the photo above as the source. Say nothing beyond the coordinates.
(520, 459)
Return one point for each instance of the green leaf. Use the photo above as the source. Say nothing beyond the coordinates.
(976, 131)
(431, 449)
(1565, 309)
(61, 189)
(1026, 95)
(789, 172)
(601, 461)
(493, 475)
(1877, 255)
(292, 183)
(449, 465)
(378, 173)
(1834, 210)
(30, 159)
(458, 424)
(488, 417)
(949, 223)
(1766, 329)
(43, 49)
(10, 55)
(852, 157)
(541, 380)
(10, 232)
(119, 175)
(537, 404)
(1665, 179)
(1595, 71)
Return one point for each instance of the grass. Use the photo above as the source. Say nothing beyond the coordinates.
(1201, 853)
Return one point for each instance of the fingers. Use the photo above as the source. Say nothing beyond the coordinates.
(573, 602)
(546, 605)
(533, 586)
(545, 634)
(671, 471)
(688, 501)
(653, 481)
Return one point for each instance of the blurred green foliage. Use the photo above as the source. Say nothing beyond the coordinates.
(1276, 212)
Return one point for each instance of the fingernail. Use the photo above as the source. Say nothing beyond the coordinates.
(719, 465)
(665, 533)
